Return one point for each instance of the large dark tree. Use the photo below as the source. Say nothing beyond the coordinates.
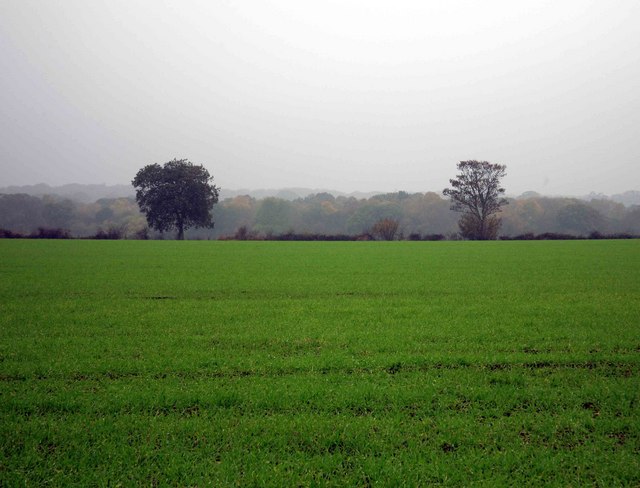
(476, 193)
(178, 195)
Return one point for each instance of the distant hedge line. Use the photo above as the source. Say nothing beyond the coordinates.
(554, 236)
(46, 233)
(114, 234)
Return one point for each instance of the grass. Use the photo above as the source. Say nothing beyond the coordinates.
(272, 363)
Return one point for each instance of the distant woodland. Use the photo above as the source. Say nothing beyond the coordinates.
(418, 216)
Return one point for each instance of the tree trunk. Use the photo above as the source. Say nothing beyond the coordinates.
(482, 233)
(180, 232)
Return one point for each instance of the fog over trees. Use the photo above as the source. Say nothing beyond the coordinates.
(419, 215)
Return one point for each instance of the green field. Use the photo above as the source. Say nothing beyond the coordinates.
(360, 363)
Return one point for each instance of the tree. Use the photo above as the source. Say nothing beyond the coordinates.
(476, 194)
(21, 212)
(371, 211)
(178, 195)
(274, 216)
(57, 212)
(581, 219)
(385, 229)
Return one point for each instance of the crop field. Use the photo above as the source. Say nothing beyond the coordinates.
(162, 363)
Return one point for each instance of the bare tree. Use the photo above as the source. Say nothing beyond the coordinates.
(476, 193)
(385, 229)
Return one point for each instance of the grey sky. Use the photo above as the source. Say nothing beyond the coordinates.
(346, 95)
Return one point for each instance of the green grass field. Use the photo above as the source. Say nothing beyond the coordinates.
(358, 363)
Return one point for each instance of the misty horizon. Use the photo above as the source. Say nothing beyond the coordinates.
(351, 96)
(311, 190)
(95, 191)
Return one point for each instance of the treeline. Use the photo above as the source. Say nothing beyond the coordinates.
(34, 216)
(321, 216)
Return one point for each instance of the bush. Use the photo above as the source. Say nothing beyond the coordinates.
(290, 236)
(7, 234)
(434, 237)
(622, 235)
(525, 237)
(54, 233)
(113, 232)
(142, 234)
(554, 236)
(385, 229)
(243, 233)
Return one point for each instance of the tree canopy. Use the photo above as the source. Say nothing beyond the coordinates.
(178, 195)
(476, 193)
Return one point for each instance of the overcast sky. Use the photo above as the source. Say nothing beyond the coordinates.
(345, 95)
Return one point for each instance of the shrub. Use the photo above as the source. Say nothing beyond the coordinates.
(113, 232)
(142, 234)
(385, 229)
(554, 236)
(7, 234)
(53, 233)
(434, 237)
(242, 234)
(622, 235)
(529, 236)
